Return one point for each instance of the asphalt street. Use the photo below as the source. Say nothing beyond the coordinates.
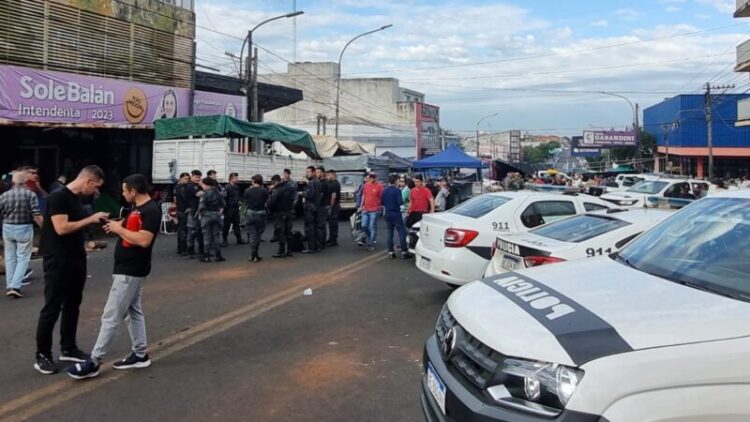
(239, 341)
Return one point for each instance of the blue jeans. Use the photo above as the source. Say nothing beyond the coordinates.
(18, 244)
(395, 221)
(370, 225)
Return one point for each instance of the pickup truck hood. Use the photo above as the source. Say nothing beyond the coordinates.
(571, 313)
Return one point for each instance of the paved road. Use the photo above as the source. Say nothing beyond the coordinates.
(239, 341)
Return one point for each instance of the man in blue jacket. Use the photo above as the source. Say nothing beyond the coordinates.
(392, 200)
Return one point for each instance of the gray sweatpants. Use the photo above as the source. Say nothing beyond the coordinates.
(124, 301)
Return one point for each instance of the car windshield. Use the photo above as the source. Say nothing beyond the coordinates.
(479, 206)
(579, 228)
(705, 245)
(648, 186)
(351, 179)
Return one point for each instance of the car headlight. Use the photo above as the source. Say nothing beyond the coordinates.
(627, 202)
(538, 387)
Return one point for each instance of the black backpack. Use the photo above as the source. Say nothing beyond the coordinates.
(298, 242)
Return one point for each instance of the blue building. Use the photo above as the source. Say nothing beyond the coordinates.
(679, 126)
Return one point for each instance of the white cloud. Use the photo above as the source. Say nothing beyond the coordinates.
(526, 50)
(627, 14)
(672, 9)
(722, 6)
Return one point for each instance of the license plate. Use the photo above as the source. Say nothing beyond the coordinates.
(436, 386)
(511, 263)
(425, 263)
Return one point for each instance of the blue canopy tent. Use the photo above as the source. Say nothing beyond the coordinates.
(452, 157)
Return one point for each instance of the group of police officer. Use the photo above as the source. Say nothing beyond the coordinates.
(322, 207)
(202, 204)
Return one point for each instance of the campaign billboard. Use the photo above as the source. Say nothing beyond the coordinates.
(577, 151)
(428, 128)
(31, 95)
(608, 139)
(212, 103)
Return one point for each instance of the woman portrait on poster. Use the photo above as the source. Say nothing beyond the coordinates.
(167, 106)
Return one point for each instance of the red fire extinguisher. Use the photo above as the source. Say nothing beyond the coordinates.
(133, 224)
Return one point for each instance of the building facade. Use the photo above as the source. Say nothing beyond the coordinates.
(505, 146)
(681, 131)
(371, 110)
(743, 63)
(82, 82)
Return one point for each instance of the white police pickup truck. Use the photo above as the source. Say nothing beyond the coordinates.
(657, 191)
(656, 332)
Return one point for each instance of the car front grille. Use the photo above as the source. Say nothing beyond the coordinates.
(476, 361)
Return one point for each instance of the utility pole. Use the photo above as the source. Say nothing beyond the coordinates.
(255, 85)
(709, 130)
(638, 139)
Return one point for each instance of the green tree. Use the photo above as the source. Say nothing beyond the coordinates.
(540, 153)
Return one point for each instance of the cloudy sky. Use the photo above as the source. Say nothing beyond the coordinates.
(539, 64)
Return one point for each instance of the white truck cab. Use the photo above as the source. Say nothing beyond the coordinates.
(656, 332)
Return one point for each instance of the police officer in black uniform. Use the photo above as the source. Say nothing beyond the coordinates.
(181, 204)
(312, 197)
(334, 193)
(192, 201)
(281, 205)
(232, 211)
(325, 206)
(210, 208)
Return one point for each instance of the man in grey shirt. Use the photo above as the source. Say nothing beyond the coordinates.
(441, 199)
(19, 209)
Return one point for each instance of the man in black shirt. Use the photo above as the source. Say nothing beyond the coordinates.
(192, 200)
(232, 211)
(312, 196)
(325, 206)
(281, 205)
(181, 203)
(334, 191)
(256, 197)
(132, 265)
(65, 267)
(210, 208)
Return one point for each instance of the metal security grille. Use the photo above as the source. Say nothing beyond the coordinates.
(473, 359)
(55, 36)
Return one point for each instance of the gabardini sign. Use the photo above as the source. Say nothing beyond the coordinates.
(607, 138)
(31, 95)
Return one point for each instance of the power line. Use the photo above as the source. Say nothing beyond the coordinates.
(526, 74)
(521, 58)
(328, 82)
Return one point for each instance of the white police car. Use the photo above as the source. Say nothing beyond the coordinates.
(455, 246)
(655, 190)
(581, 236)
(656, 332)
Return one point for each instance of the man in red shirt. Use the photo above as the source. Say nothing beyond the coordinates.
(420, 202)
(371, 207)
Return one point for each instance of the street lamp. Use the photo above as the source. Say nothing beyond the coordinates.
(252, 82)
(338, 74)
(480, 121)
(635, 123)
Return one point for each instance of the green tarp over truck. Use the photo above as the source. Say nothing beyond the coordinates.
(294, 140)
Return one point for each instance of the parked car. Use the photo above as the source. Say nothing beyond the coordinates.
(581, 236)
(654, 191)
(455, 246)
(657, 331)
